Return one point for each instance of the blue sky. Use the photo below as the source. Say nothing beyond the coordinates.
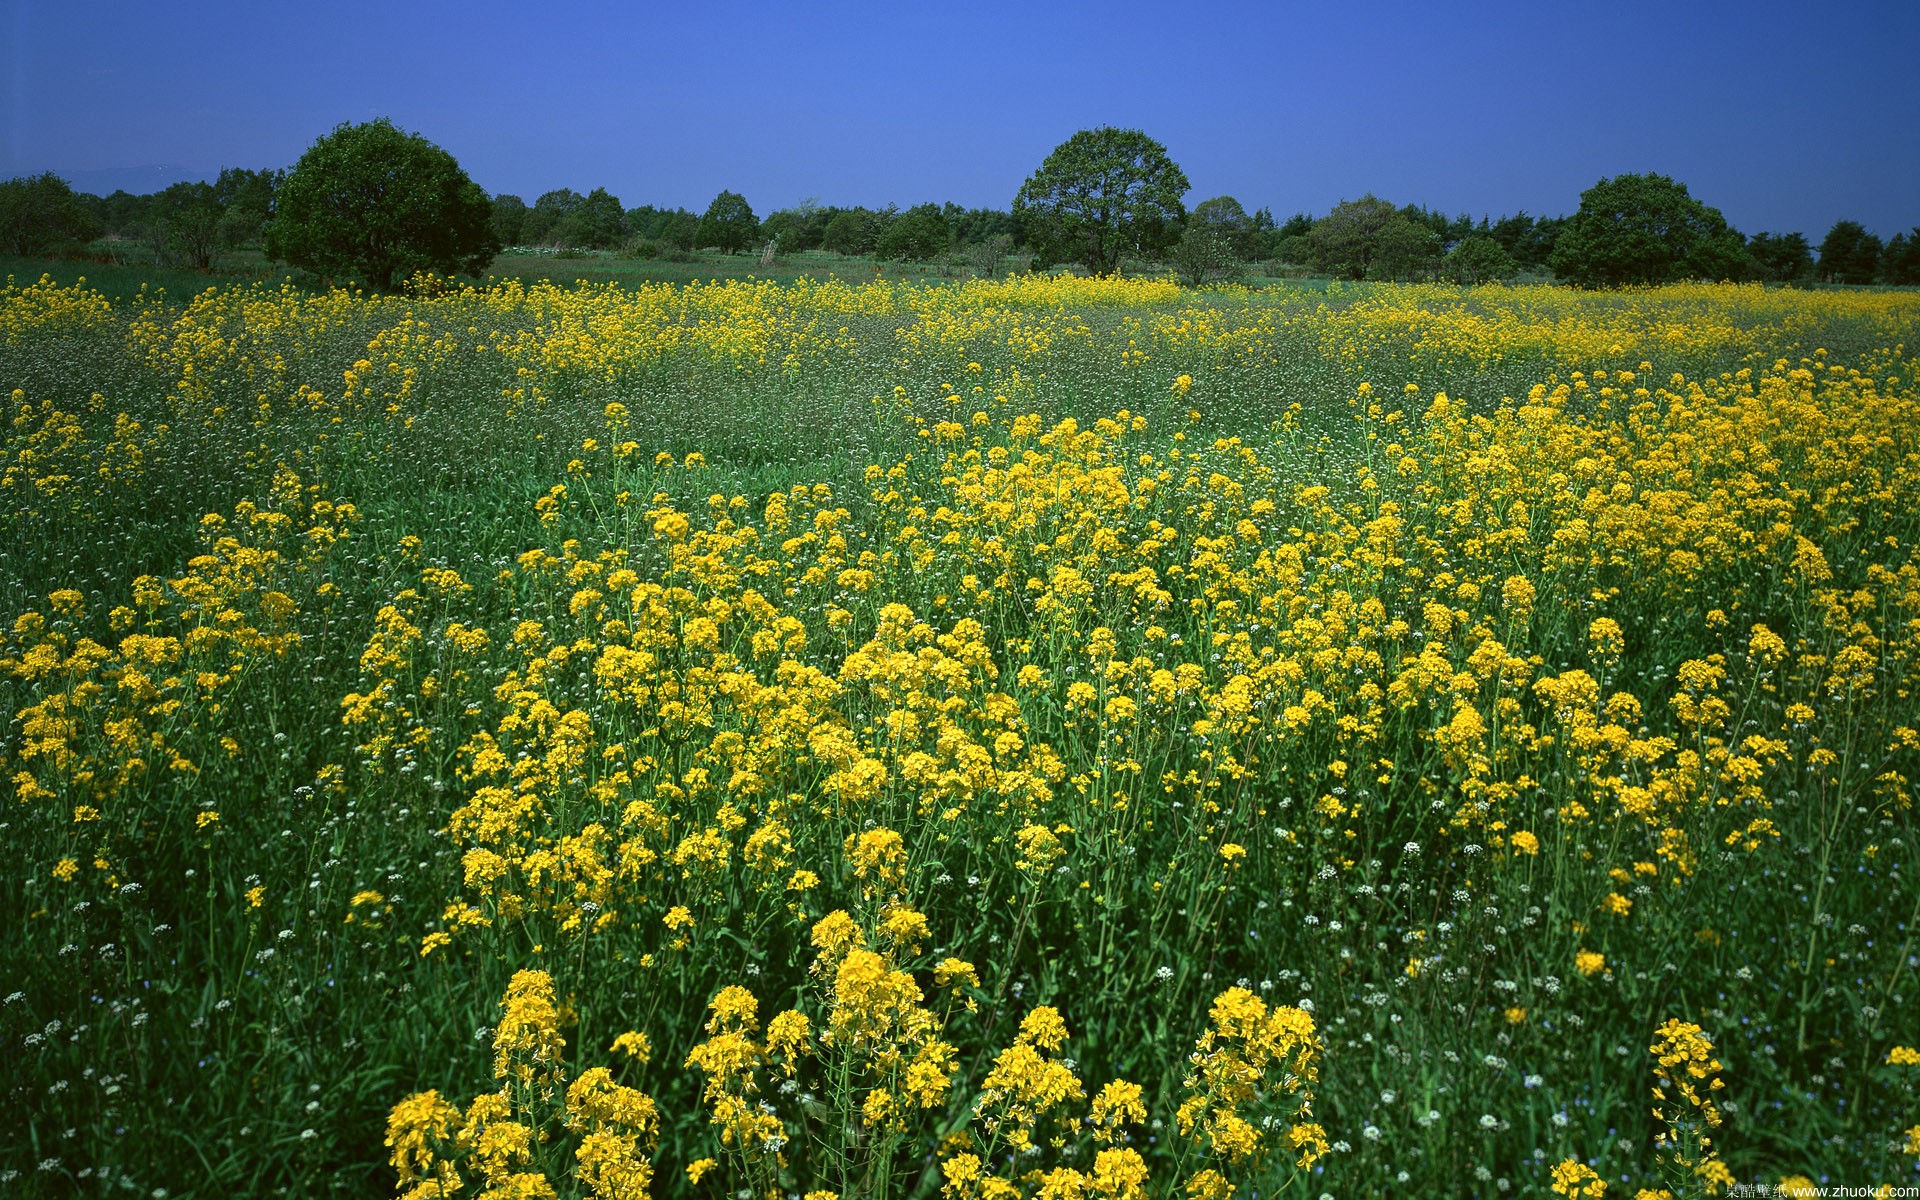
(1784, 116)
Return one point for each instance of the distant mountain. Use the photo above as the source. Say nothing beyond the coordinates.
(138, 180)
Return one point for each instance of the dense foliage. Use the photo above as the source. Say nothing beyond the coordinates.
(1051, 737)
(1645, 229)
(42, 213)
(1101, 194)
(375, 203)
(1639, 230)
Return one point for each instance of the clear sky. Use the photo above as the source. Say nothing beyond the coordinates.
(1784, 115)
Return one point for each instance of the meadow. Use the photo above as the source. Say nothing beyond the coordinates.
(1047, 737)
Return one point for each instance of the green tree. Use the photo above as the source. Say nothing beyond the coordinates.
(916, 234)
(1849, 254)
(853, 231)
(985, 255)
(246, 199)
(1478, 259)
(728, 223)
(1645, 229)
(1204, 255)
(799, 227)
(542, 224)
(1900, 261)
(189, 222)
(1405, 249)
(1347, 240)
(41, 213)
(1781, 257)
(1103, 193)
(671, 228)
(977, 226)
(1288, 242)
(509, 219)
(596, 221)
(1227, 219)
(376, 202)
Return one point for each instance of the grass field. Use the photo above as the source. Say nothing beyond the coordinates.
(1041, 737)
(122, 280)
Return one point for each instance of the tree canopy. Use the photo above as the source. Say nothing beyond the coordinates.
(1227, 219)
(916, 234)
(1900, 261)
(1781, 257)
(376, 202)
(1101, 194)
(40, 212)
(1849, 254)
(1477, 259)
(1645, 229)
(1350, 237)
(728, 223)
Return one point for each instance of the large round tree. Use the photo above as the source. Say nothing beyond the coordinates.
(378, 203)
(1643, 229)
(1103, 193)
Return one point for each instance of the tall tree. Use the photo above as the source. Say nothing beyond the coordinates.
(40, 213)
(1849, 254)
(1644, 229)
(246, 199)
(1406, 249)
(596, 221)
(797, 228)
(672, 228)
(189, 223)
(916, 234)
(1347, 240)
(1781, 257)
(1227, 220)
(509, 219)
(1101, 194)
(728, 224)
(1900, 261)
(379, 203)
(853, 230)
(1479, 259)
(1204, 255)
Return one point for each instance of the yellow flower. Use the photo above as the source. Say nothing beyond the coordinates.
(1588, 962)
(633, 1045)
(955, 973)
(788, 1037)
(1117, 1104)
(1574, 1178)
(1208, 1184)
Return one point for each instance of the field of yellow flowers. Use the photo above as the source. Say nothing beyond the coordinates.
(1045, 738)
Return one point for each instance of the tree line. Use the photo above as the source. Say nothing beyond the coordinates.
(1103, 199)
